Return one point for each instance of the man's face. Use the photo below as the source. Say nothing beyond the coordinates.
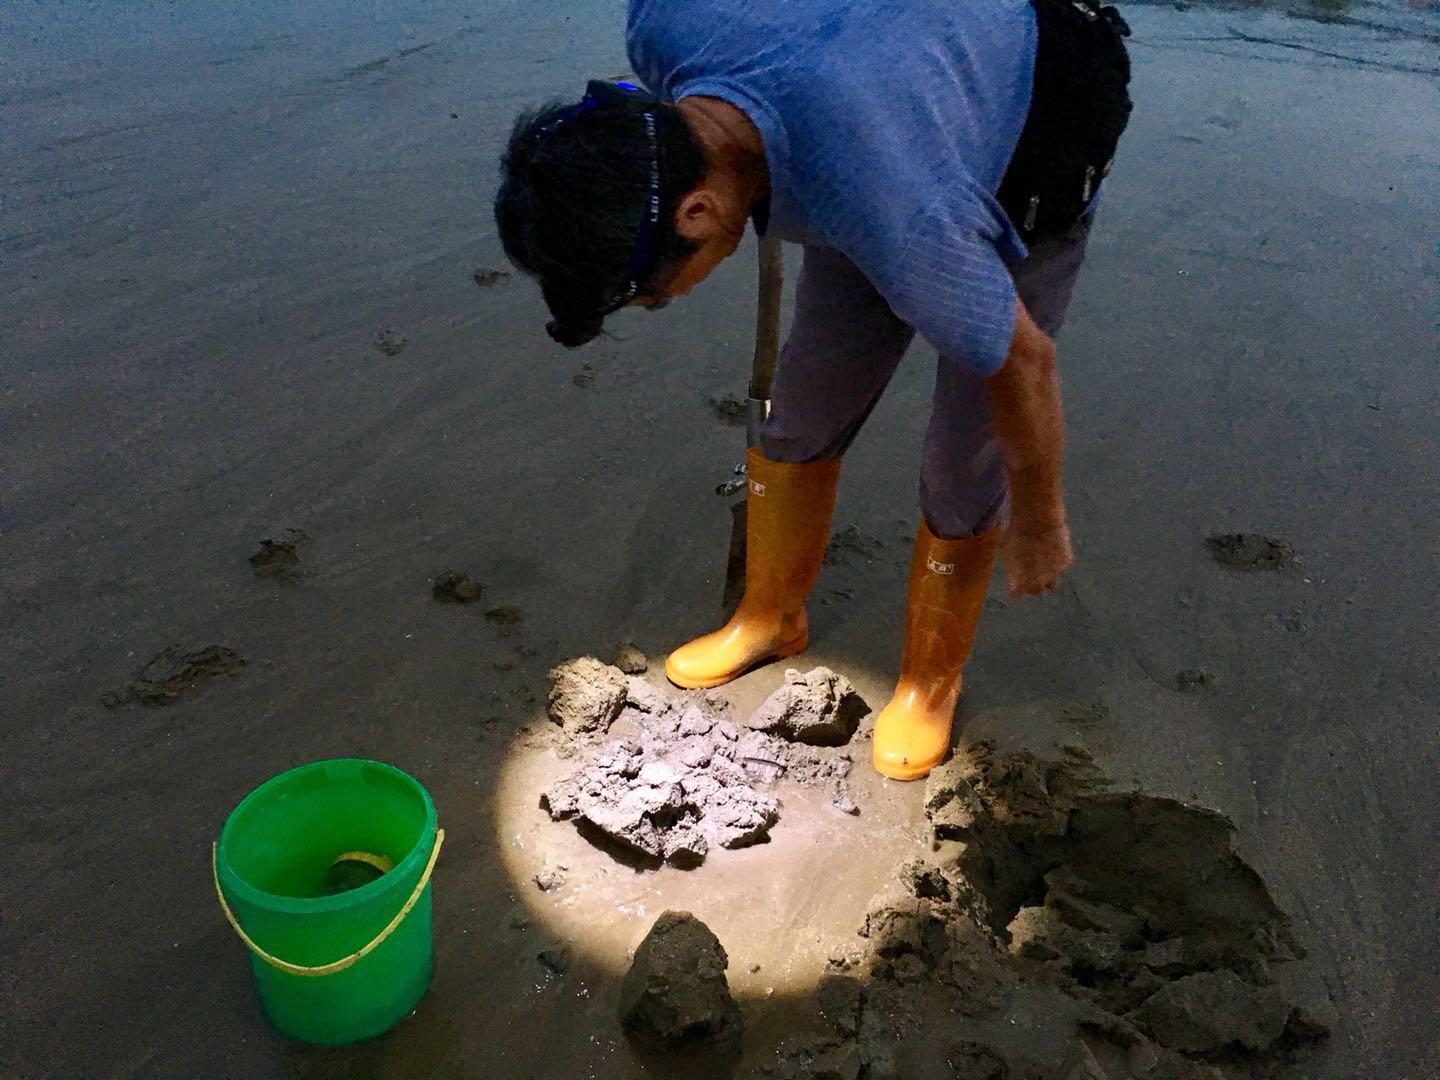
(697, 267)
(715, 224)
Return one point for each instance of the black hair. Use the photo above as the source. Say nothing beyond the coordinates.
(573, 195)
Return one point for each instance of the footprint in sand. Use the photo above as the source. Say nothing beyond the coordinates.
(729, 410)
(452, 588)
(172, 674)
(505, 615)
(278, 557)
(485, 277)
(1250, 551)
(850, 544)
(390, 341)
(1192, 680)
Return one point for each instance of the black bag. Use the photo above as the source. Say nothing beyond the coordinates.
(1078, 108)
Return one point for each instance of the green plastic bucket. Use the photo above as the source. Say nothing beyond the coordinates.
(324, 872)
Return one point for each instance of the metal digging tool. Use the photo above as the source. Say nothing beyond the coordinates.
(757, 407)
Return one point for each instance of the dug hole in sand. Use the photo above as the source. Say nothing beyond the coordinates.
(1013, 916)
(783, 899)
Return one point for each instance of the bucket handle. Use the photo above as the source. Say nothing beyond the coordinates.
(345, 961)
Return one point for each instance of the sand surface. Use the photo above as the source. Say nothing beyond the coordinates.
(249, 283)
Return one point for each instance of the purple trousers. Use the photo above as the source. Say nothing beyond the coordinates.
(845, 344)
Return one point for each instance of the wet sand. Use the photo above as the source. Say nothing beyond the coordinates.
(239, 295)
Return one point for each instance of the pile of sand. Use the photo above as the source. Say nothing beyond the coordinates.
(1135, 909)
(686, 777)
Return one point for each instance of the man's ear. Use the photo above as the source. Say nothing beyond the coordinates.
(698, 216)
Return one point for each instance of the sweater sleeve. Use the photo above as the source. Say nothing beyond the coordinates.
(952, 283)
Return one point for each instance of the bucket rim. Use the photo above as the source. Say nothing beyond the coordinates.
(238, 888)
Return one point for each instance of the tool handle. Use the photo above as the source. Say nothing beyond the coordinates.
(767, 318)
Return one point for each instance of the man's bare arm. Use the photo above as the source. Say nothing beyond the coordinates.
(1030, 425)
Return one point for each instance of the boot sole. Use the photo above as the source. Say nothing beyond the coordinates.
(906, 772)
(784, 652)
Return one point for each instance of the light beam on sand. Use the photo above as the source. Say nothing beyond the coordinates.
(786, 905)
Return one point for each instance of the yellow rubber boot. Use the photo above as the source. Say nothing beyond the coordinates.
(948, 579)
(787, 516)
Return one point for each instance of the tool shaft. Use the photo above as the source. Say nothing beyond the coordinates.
(767, 319)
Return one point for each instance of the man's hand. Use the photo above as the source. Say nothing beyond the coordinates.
(1030, 425)
(1034, 560)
